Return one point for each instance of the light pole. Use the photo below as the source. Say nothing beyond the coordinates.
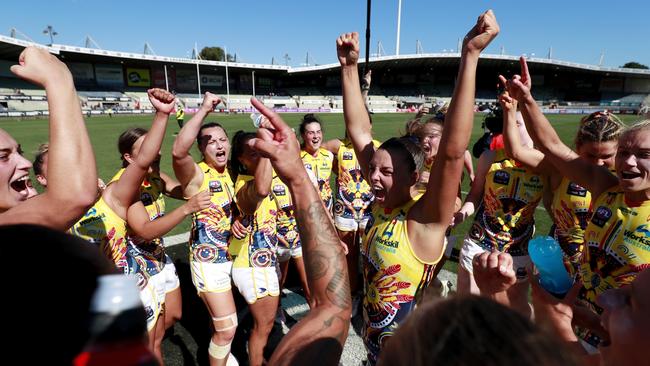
(399, 20)
(253, 72)
(50, 30)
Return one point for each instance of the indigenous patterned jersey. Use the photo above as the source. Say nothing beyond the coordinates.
(321, 166)
(147, 257)
(258, 247)
(617, 244)
(570, 209)
(103, 227)
(286, 220)
(211, 226)
(353, 193)
(506, 217)
(393, 275)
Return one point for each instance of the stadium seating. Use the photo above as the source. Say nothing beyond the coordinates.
(313, 101)
(630, 100)
(26, 105)
(337, 101)
(280, 101)
(140, 97)
(100, 94)
(378, 103)
(239, 101)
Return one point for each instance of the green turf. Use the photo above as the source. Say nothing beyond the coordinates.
(104, 132)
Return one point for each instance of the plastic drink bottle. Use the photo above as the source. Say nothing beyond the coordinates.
(118, 325)
(546, 254)
(257, 119)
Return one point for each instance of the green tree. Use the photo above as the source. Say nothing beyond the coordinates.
(215, 54)
(635, 65)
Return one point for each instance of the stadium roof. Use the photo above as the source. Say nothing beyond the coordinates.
(10, 48)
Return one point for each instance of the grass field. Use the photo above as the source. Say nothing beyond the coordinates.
(104, 132)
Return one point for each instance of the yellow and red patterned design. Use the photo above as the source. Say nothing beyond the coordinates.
(258, 247)
(353, 195)
(570, 210)
(617, 241)
(321, 165)
(104, 228)
(505, 220)
(287, 228)
(211, 227)
(393, 275)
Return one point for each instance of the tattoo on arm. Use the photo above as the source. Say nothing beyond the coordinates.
(324, 258)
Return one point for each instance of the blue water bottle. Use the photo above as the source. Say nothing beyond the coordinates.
(546, 254)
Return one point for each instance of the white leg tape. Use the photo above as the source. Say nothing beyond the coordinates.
(233, 322)
(217, 351)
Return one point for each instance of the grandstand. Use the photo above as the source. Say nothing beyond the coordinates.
(119, 80)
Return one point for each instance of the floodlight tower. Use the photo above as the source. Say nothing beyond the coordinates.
(399, 17)
(50, 30)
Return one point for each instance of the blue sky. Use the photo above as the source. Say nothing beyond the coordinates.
(258, 30)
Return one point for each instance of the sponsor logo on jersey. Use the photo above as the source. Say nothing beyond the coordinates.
(279, 190)
(501, 177)
(601, 216)
(640, 234)
(215, 186)
(348, 155)
(576, 190)
(146, 198)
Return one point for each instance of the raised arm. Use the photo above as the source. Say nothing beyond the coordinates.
(357, 121)
(469, 166)
(187, 171)
(429, 217)
(596, 179)
(475, 194)
(319, 337)
(528, 156)
(140, 223)
(72, 176)
(120, 195)
(173, 187)
(250, 197)
(332, 146)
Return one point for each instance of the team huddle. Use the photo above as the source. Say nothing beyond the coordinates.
(257, 202)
